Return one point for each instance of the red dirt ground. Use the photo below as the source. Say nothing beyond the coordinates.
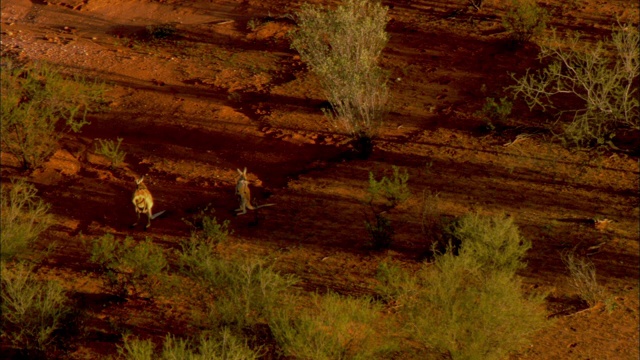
(227, 92)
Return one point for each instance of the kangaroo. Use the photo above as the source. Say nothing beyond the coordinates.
(242, 190)
(143, 202)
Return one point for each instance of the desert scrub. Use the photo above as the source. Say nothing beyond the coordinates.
(381, 231)
(582, 277)
(489, 244)
(32, 310)
(452, 304)
(342, 47)
(591, 88)
(23, 217)
(524, 20)
(39, 105)
(466, 313)
(245, 290)
(394, 190)
(330, 327)
(495, 113)
(131, 268)
(111, 150)
(222, 345)
(395, 284)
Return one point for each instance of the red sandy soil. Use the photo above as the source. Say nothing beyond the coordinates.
(227, 92)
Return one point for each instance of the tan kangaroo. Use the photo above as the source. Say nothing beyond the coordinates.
(242, 190)
(143, 201)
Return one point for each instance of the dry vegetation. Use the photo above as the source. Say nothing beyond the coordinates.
(448, 179)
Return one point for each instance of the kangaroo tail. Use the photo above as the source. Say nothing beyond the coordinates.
(261, 206)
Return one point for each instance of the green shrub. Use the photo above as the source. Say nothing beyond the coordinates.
(469, 314)
(524, 20)
(35, 99)
(215, 232)
(495, 113)
(489, 243)
(134, 349)
(32, 311)
(130, 268)
(381, 232)
(465, 303)
(332, 327)
(593, 86)
(222, 345)
(342, 47)
(245, 290)
(395, 284)
(112, 151)
(582, 277)
(23, 216)
(394, 190)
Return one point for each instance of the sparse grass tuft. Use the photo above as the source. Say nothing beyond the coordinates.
(23, 216)
(582, 277)
(111, 150)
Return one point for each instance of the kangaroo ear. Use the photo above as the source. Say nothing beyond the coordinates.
(239, 172)
(244, 172)
(139, 181)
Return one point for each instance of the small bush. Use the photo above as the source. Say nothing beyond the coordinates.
(332, 327)
(467, 302)
(35, 99)
(215, 232)
(381, 232)
(524, 20)
(395, 284)
(23, 216)
(342, 47)
(495, 113)
(592, 86)
(245, 290)
(130, 268)
(32, 311)
(111, 150)
(395, 189)
(467, 313)
(582, 277)
(222, 345)
(490, 244)
(134, 349)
